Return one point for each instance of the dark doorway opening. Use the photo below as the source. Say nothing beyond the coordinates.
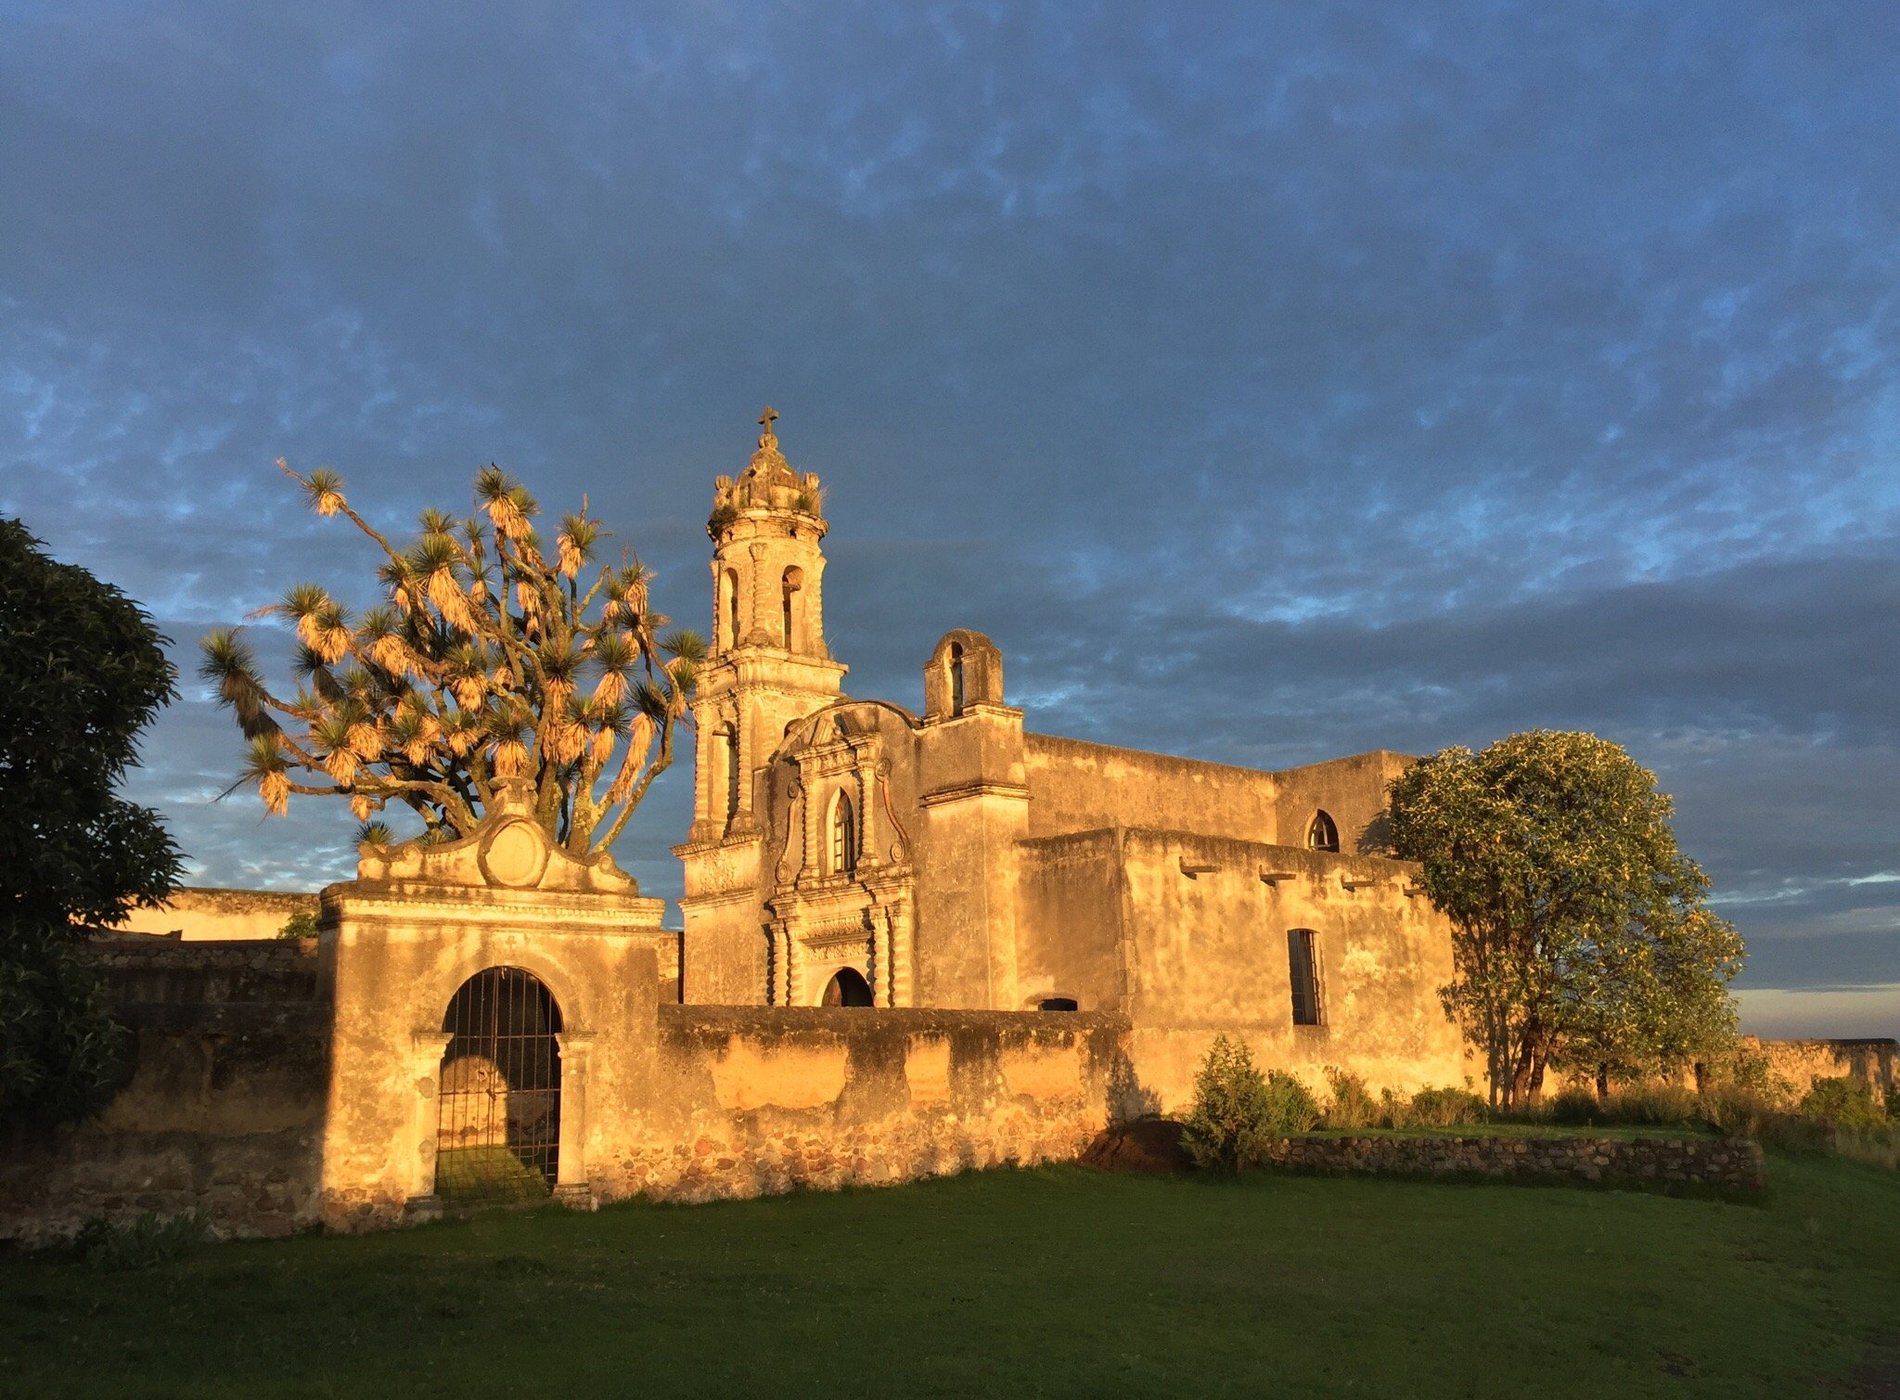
(1056, 1004)
(847, 988)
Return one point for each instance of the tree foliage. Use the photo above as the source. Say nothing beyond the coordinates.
(81, 672)
(1579, 929)
(488, 660)
(1229, 1125)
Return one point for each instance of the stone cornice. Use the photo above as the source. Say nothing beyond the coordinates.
(962, 791)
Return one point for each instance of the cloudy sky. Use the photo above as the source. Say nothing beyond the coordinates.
(1271, 381)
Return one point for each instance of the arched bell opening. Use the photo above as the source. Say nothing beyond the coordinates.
(498, 1100)
(847, 988)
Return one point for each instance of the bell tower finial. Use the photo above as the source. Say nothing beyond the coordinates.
(768, 438)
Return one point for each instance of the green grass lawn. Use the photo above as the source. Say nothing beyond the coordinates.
(486, 1173)
(1054, 1281)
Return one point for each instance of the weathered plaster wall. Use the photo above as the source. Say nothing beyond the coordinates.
(1079, 786)
(1350, 790)
(236, 1105)
(1070, 932)
(396, 952)
(1801, 1062)
(749, 1101)
(223, 1110)
(221, 914)
(1183, 936)
(1208, 952)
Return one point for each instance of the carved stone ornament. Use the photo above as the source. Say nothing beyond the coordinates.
(513, 854)
(509, 850)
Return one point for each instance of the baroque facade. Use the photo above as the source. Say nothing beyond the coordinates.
(853, 852)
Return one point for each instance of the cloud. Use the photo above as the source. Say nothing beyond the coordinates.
(1271, 381)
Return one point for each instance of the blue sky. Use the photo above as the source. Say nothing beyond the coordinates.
(1270, 381)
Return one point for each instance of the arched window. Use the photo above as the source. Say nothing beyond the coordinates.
(844, 836)
(1322, 835)
(732, 608)
(1303, 975)
(729, 740)
(956, 679)
(498, 1104)
(1056, 1004)
(848, 988)
(793, 580)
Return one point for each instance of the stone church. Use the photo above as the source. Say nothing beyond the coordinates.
(854, 852)
(915, 943)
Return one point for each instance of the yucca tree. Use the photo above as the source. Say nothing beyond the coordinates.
(484, 661)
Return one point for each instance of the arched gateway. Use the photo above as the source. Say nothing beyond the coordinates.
(498, 1105)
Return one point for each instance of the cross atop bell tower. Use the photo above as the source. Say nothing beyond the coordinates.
(768, 664)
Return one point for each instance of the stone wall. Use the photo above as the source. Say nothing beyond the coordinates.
(1350, 790)
(1076, 786)
(1801, 1062)
(750, 1101)
(220, 915)
(1187, 936)
(1666, 1163)
(223, 1108)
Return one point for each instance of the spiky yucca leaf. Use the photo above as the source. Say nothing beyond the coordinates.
(684, 643)
(227, 662)
(325, 490)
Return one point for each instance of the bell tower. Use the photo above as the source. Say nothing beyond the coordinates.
(768, 664)
(768, 667)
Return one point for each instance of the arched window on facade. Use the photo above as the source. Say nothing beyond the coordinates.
(956, 679)
(731, 586)
(1303, 974)
(844, 836)
(793, 580)
(848, 988)
(1322, 835)
(1056, 1004)
(729, 740)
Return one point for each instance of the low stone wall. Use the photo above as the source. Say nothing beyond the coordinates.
(1668, 1163)
(751, 1101)
(224, 1106)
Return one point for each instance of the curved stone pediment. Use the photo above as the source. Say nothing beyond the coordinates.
(509, 850)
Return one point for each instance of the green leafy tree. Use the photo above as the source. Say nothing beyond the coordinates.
(489, 660)
(81, 672)
(1579, 929)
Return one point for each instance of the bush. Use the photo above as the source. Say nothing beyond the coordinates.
(302, 924)
(1291, 1107)
(1352, 1106)
(1395, 1110)
(1876, 1149)
(1843, 1103)
(1657, 1105)
(1228, 1126)
(142, 1242)
(1735, 1111)
(1447, 1108)
(1751, 1073)
(1576, 1106)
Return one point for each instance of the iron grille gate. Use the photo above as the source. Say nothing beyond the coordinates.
(498, 1107)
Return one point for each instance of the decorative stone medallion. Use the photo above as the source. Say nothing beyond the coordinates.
(514, 855)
